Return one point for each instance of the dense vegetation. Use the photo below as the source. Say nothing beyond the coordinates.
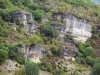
(31, 68)
(96, 69)
(11, 40)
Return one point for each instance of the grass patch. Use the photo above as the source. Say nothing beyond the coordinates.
(2, 73)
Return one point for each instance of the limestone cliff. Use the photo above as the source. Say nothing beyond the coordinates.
(24, 19)
(80, 29)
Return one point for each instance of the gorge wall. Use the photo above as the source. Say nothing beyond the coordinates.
(80, 29)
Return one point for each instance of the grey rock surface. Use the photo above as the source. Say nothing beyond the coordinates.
(24, 20)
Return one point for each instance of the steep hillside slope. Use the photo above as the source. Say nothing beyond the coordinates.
(62, 36)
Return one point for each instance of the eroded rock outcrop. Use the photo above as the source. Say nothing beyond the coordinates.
(69, 51)
(80, 29)
(33, 52)
(24, 19)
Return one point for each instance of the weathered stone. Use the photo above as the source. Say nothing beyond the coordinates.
(80, 29)
(69, 50)
(24, 19)
(44, 20)
(33, 52)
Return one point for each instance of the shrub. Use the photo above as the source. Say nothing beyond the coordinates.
(35, 39)
(48, 30)
(2, 5)
(16, 54)
(38, 14)
(33, 6)
(6, 15)
(5, 4)
(4, 29)
(31, 68)
(89, 52)
(78, 60)
(3, 52)
(54, 50)
(90, 60)
(49, 68)
(3, 55)
(46, 67)
(80, 2)
(20, 72)
(96, 69)
(59, 72)
(81, 48)
(97, 60)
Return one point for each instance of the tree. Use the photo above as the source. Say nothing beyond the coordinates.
(54, 50)
(4, 31)
(59, 72)
(2, 5)
(31, 68)
(38, 15)
(81, 48)
(89, 52)
(96, 69)
(90, 60)
(3, 52)
(3, 55)
(48, 30)
(16, 54)
(35, 39)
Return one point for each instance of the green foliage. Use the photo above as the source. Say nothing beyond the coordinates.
(78, 60)
(86, 54)
(80, 2)
(48, 30)
(31, 68)
(3, 52)
(6, 15)
(89, 52)
(81, 8)
(35, 39)
(81, 48)
(95, 32)
(20, 72)
(59, 72)
(37, 14)
(90, 60)
(3, 55)
(54, 50)
(77, 7)
(16, 54)
(97, 60)
(4, 31)
(49, 68)
(5, 4)
(57, 51)
(33, 6)
(2, 5)
(96, 69)
(20, 2)
(45, 66)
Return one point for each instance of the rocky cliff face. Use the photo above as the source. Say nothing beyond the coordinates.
(33, 52)
(80, 29)
(24, 19)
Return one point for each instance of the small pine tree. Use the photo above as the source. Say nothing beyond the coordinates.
(96, 69)
(31, 68)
